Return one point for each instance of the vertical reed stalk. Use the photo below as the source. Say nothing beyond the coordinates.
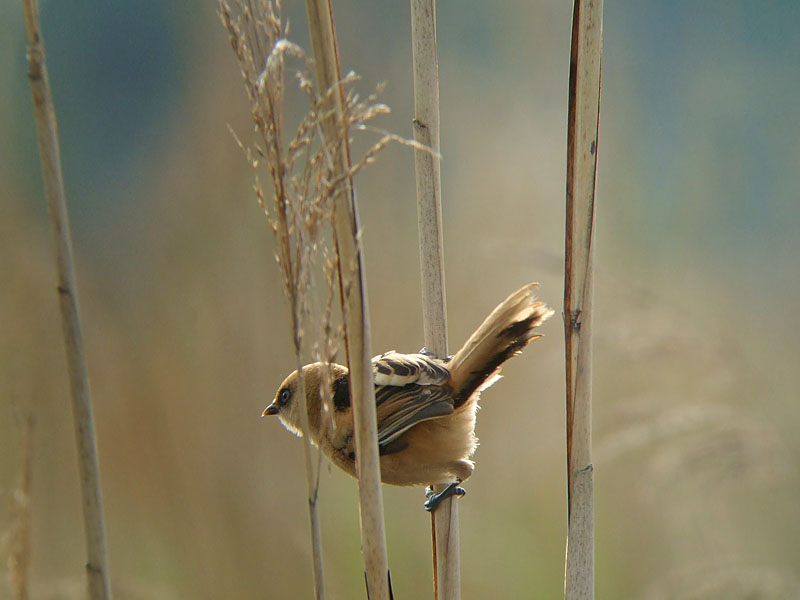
(257, 38)
(46, 130)
(312, 485)
(17, 541)
(446, 567)
(352, 285)
(582, 130)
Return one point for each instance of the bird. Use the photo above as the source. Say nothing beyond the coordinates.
(425, 406)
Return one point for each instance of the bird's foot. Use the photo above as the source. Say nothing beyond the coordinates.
(434, 500)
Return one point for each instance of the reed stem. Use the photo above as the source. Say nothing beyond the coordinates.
(99, 581)
(582, 130)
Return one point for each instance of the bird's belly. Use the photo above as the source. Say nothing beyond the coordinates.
(437, 451)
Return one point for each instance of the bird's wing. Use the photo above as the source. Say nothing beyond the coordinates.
(401, 407)
(395, 369)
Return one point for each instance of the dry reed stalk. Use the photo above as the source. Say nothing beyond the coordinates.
(312, 187)
(582, 130)
(46, 128)
(299, 206)
(352, 286)
(444, 521)
(17, 541)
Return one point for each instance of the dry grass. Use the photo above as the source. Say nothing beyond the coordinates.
(299, 205)
(97, 571)
(582, 143)
(307, 177)
(16, 541)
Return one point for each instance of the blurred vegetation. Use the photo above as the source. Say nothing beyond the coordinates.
(696, 390)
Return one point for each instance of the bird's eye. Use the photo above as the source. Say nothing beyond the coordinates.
(284, 397)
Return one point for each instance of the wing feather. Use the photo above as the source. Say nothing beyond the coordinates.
(395, 369)
(400, 408)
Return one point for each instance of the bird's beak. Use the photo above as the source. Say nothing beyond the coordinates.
(272, 409)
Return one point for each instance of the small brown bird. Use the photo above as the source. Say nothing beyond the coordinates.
(425, 405)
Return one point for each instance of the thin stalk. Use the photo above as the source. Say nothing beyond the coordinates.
(444, 526)
(312, 484)
(352, 286)
(296, 290)
(18, 540)
(582, 133)
(46, 129)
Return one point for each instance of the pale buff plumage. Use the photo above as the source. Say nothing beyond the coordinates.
(426, 407)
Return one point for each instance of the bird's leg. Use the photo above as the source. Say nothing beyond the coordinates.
(425, 352)
(434, 500)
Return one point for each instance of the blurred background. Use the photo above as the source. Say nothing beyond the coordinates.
(187, 331)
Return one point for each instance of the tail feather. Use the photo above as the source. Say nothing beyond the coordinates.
(503, 334)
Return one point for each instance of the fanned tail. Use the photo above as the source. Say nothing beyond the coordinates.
(503, 334)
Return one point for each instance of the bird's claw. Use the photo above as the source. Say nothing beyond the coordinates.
(434, 499)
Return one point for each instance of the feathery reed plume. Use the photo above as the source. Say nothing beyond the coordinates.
(300, 204)
(311, 203)
(582, 128)
(99, 581)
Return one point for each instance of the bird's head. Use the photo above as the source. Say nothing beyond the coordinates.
(285, 404)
